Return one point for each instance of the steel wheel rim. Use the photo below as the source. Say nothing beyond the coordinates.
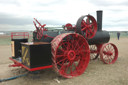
(109, 53)
(67, 60)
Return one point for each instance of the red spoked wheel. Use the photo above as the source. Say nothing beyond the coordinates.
(68, 26)
(94, 53)
(71, 54)
(86, 26)
(109, 53)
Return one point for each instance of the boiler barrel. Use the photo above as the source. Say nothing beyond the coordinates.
(101, 37)
(49, 33)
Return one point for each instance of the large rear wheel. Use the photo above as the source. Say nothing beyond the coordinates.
(71, 54)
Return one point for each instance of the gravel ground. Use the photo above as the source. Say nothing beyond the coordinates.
(97, 73)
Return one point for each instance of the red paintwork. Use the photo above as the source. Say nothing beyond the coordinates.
(68, 26)
(40, 29)
(16, 63)
(109, 53)
(71, 54)
(24, 34)
(89, 27)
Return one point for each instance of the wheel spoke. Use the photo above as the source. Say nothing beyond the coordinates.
(110, 57)
(62, 49)
(70, 69)
(68, 42)
(90, 31)
(106, 48)
(77, 58)
(80, 47)
(86, 35)
(94, 52)
(111, 48)
(75, 65)
(59, 56)
(81, 52)
(84, 28)
(61, 60)
(76, 45)
(63, 67)
(72, 44)
(84, 23)
(92, 25)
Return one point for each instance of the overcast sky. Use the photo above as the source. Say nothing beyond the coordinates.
(19, 14)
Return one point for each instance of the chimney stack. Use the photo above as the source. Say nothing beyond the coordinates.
(99, 20)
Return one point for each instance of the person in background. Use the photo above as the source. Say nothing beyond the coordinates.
(118, 35)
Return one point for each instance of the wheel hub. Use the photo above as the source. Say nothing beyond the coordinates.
(71, 55)
(108, 53)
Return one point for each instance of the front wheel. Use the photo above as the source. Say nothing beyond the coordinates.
(109, 53)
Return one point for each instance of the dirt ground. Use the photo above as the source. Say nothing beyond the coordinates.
(96, 73)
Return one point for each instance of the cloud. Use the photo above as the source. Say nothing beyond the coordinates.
(47, 2)
(12, 20)
(106, 3)
(19, 13)
(7, 27)
(9, 2)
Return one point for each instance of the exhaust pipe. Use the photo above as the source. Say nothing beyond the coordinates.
(99, 20)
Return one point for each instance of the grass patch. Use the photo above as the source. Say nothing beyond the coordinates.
(6, 40)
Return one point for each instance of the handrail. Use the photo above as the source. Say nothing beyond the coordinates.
(24, 34)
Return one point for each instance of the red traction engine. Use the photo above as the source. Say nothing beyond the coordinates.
(67, 51)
